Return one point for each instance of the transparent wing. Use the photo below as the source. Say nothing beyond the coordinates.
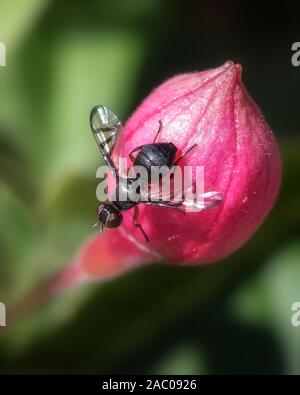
(105, 126)
(202, 201)
(184, 199)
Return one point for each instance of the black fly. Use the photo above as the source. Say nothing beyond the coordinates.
(106, 127)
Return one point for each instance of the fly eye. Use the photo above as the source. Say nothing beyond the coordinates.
(109, 216)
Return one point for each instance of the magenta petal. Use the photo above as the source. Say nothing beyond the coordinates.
(112, 253)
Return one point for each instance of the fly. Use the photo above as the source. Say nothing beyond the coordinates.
(106, 127)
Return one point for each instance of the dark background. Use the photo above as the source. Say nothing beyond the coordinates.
(63, 57)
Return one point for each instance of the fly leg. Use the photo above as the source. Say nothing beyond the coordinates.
(131, 156)
(158, 132)
(136, 223)
(184, 154)
(175, 206)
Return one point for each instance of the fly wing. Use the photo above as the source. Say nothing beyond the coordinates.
(105, 126)
(173, 195)
(194, 202)
(158, 192)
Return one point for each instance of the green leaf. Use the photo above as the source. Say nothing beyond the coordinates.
(16, 19)
(266, 302)
(282, 284)
(17, 232)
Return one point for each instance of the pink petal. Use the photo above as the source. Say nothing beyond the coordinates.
(240, 158)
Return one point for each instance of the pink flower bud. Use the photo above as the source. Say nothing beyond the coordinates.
(240, 158)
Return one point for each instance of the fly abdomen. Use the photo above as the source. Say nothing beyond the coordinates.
(158, 155)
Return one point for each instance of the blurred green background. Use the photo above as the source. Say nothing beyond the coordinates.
(63, 57)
